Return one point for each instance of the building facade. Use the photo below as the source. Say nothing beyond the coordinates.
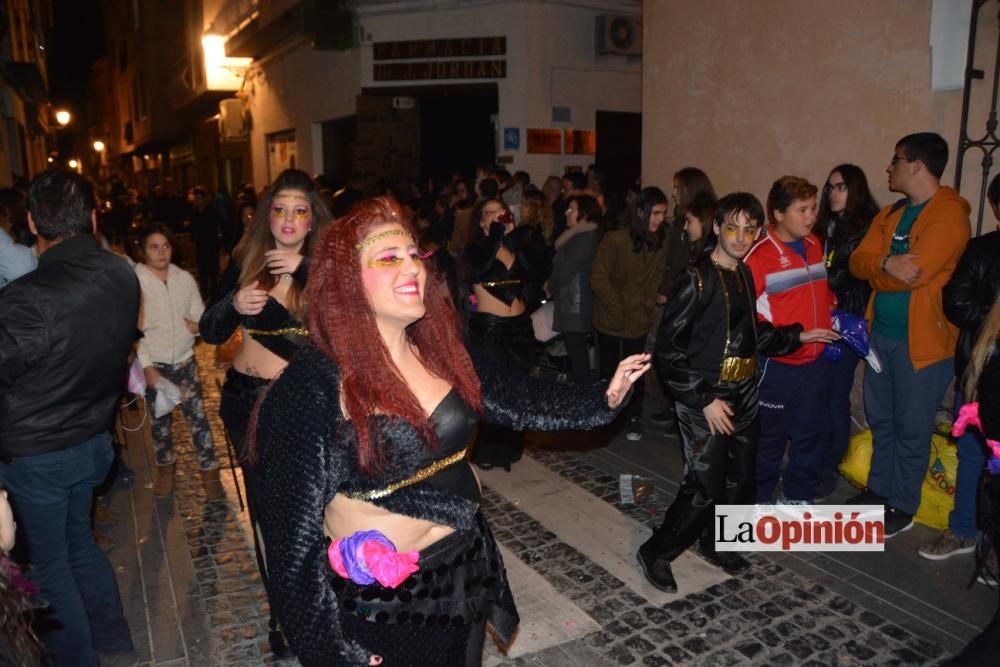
(167, 75)
(27, 124)
(400, 89)
(776, 87)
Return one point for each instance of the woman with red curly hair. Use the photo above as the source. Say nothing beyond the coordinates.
(376, 546)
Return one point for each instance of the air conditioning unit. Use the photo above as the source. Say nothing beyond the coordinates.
(232, 125)
(618, 35)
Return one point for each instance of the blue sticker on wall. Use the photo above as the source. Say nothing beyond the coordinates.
(512, 138)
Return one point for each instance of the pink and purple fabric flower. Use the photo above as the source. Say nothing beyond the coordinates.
(968, 415)
(368, 556)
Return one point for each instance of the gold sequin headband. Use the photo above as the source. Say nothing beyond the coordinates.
(294, 196)
(382, 235)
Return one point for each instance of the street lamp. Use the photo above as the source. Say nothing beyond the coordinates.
(63, 117)
(73, 164)
(99, 146)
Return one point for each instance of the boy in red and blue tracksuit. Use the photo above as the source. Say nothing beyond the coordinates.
(790, 282)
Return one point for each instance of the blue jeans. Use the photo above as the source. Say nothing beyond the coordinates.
(900, 404)
(794, 407)
(51, 495)
(839, 436)
(971, 463)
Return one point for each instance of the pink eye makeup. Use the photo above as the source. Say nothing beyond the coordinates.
(392, 260)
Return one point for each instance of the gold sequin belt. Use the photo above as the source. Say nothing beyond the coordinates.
(299, 331)
(737, 369)
(418, 476)
(501, 283)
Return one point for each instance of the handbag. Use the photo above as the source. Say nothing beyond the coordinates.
(168, 396)
(541, 322)
(136, 378)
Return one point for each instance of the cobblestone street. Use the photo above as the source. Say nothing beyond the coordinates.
(193, 596)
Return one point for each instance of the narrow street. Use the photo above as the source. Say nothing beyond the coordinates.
(192, 594)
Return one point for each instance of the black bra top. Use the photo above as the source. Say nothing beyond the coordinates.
(276, 329)
(453, 422)
(506, 284)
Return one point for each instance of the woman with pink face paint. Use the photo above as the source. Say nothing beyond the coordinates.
(262, 291)
(379, 550)
(504, 266)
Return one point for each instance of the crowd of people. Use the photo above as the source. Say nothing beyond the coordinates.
(389, 344)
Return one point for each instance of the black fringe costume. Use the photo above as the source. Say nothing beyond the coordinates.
(985, 647)
(307, 454)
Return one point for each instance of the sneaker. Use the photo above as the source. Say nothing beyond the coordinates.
(946, 545)
(896, 521)
(657, 571)
(866, 497)
(664, 418)
(633, 432)
(782, 500)
(989, 574)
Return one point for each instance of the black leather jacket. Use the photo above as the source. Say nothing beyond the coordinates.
(65, 334)
(970, 293)
(852, 294)
(989, 397)
(692, 339)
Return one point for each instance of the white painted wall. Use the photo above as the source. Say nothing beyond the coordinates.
(299, 88)
(550, 62)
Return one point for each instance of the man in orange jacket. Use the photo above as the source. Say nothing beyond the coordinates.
(908, 255)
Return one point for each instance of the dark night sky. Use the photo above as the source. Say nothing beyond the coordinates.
(77, 41)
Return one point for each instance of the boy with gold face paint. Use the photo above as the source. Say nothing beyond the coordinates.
(706, 350)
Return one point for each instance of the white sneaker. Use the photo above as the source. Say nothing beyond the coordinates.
(946, 545)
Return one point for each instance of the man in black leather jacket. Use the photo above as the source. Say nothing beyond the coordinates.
(706, 350)
(65, 334)
(967, 298)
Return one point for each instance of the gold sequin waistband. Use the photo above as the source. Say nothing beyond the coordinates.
(278, 332)
(418, 476)
(501, 283)
(737, 369)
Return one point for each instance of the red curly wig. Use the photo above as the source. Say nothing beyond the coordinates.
(342, 325)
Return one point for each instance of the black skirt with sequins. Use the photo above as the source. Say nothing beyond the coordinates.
(438, 614)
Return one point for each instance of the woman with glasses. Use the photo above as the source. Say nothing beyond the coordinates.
(505, 266)
(845, 212)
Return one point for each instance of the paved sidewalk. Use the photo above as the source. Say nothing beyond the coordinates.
(193, 596)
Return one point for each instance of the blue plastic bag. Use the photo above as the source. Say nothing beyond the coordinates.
(853, 331)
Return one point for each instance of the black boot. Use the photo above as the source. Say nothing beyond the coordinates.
(730, 562)
(657, 571)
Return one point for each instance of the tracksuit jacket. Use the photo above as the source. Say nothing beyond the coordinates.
(791, 290)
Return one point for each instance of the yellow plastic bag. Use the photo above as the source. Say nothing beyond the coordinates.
(858, 459)
(937, 494)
